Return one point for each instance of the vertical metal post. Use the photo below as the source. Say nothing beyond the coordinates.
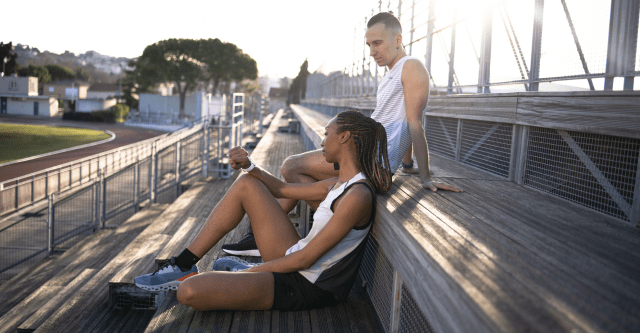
(522, 154)
(538, 16)
(206, 138)
(458, 140)
(51, 225)
(430, 27)
(513, 156)
(33, 188)
(622, 44)
(413, 10)
(136, 183)
(452, 53)
(397, 300)
(635, 206)
(153, 164)
(178, 158)
(484, 77)
(103, 201)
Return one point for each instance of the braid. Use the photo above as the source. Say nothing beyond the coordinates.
(370, 139)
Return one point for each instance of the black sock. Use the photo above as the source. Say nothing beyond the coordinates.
(186, 260)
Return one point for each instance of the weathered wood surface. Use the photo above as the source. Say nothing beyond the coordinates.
(501, 257)
(33, 289)
(614, 113)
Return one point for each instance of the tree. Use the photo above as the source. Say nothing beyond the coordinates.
(58, 72)
(172, 60)
(225, 62)
(298, 89)
(40, 72)
(82, 74)
(189, 64)
(6, 50)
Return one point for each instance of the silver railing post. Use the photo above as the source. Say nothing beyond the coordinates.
(152, 173)
(452, 53)
(484, 75)
(51, 225)
(178, 158)
(103, 200)
(98, 202)
(136, 183)
(536, 46)
(205, 154)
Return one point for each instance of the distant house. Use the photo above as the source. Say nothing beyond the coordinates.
(70, 89)
(277, 99)
(103, 91)
(19, 96)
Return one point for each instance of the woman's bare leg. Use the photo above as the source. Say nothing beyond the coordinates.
(228, 291)
(308, 167)
(273, 230)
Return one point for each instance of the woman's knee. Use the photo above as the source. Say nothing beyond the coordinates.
(187, 293)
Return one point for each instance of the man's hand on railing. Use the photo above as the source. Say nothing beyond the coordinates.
(434, 186)
(239, 158)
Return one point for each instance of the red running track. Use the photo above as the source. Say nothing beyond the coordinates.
(125, 135)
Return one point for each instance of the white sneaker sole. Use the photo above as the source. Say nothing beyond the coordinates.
(248, 253)
(173, 285)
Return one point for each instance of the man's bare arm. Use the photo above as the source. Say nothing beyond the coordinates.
(415, 84)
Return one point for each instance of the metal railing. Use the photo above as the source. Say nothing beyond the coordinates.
(497, 46)
(64, 204)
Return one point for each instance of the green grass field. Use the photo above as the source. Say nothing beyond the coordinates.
(20, 141)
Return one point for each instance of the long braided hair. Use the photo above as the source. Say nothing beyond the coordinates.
(370, 139)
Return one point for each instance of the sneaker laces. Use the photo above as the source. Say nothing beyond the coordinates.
(167, 267)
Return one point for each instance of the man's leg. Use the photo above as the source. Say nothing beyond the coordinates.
(307, 167)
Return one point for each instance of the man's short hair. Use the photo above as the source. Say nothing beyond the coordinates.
(389, 21)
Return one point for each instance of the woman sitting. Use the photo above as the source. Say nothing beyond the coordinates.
(298, 273)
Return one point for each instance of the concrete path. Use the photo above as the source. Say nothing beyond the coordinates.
(124, 136)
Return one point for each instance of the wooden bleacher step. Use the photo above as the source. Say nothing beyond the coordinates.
(85, 258)
(45, 311)
(89, 309)
(185, 218)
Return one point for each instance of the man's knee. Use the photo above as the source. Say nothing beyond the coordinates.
(291, 168)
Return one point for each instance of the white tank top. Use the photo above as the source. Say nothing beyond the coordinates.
(345, 247)
(391, 114)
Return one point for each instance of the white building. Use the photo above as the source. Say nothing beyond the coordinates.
(19, 96)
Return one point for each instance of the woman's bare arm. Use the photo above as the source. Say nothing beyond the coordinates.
(239, 158)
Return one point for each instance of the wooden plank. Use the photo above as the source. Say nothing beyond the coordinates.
(32, 323)
(512, 257)
(615, 115)
(483, 107)
(142, 262)
(188, 230)
(91, 252)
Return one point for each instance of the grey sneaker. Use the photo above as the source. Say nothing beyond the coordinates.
(232, 264)
(168, 277)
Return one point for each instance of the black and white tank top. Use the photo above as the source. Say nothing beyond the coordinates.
(335, 271)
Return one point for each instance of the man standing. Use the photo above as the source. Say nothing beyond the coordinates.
(402, 97)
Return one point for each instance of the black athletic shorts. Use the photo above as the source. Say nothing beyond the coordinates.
(293, 292)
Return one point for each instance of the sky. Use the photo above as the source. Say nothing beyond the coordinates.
(278, 34)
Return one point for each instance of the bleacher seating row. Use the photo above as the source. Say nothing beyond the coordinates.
(499, 257)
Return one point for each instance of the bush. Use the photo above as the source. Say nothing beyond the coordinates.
(103, 116)
(120, 112)
(82, 116)
(116, 113)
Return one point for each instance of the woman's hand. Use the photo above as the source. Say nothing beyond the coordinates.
(239, 158)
